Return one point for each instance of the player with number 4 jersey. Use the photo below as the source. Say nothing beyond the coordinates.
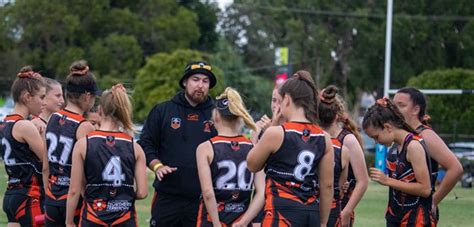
(109, 167)
(64, 128)
(294, 156)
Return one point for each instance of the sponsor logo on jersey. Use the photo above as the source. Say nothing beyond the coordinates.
(62, 120)
(207, 126)
(175, 122)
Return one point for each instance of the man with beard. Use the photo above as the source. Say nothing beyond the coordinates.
(171, 134)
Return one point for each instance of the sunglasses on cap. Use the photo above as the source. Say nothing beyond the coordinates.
(199, 66)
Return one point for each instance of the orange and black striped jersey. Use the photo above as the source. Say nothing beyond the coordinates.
(109, 168)
(291, 171)
(401, 169)
(60, 139)
(21, 164)
(231, 179)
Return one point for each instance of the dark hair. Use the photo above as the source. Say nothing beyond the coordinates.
(417, 98)
(79, 76)
(302, 90)
(331, 107)
(27, 80)
(384, 111)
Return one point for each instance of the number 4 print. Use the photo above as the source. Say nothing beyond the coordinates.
(113, 172)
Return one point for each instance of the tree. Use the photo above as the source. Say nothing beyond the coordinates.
(449, 110)
(158, 80)
(256, 91)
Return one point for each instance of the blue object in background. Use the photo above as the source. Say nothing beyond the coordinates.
(381, 157)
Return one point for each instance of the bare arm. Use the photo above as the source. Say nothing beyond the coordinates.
(345, 168)
(326, 178)
(441, 153)
(84, 128)
(77, 180)
(257, 202)
(422, 187)
(270, 142)
(357, 160)
(140, 173)
(25, 131)
(204, 158)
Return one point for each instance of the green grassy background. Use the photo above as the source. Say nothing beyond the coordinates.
(370, 212)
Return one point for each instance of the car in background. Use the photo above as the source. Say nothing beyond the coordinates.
(463, 150)
(7, 108)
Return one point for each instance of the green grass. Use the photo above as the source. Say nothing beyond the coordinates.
(370, 212)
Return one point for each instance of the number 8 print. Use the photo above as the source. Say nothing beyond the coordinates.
(305, 162)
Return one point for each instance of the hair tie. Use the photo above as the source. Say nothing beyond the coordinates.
(383, 101)
(29, 74)
(80, 72)
(118, 88)
(426, 117)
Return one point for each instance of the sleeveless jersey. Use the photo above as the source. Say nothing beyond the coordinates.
(60, 140)
(400, 168)
(291, 171)
(109, 168)
(231, 179)
(337, 146)
(21, 164)
(434, 163)
(350, 175)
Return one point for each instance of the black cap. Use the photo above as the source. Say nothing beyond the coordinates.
(222, 105)
(92, 88)
(198, 67)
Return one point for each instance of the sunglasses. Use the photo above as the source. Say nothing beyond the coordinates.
(199, 66)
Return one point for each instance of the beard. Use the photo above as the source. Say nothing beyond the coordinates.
(196, 96)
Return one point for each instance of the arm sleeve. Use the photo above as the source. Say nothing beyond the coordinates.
(149, 139)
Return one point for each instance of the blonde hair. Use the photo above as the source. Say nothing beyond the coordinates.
(116, 103)
(237, 107)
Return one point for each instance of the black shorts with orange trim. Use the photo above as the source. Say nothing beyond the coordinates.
(56, 215)
(21, 209)
(283, 218)
(128, 223)
(419, 216)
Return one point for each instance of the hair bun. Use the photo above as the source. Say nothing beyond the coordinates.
(27, 72)
(328, 94)
(79, 68)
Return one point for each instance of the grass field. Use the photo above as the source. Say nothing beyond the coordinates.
(370, 212)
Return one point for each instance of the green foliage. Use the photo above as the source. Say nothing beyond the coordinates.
(256, 91)
(115, 37)
(446, 110)
(158, 80)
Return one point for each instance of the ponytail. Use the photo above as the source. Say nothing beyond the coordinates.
(115, 103)
(236, 107)
(384, 111)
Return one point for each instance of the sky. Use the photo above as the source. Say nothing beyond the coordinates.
(223, 3)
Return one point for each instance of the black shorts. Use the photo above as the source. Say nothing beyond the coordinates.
(279, 218)
(21, 209)
(56, 215)
(420, 216)
(129, 222)
(173, 210)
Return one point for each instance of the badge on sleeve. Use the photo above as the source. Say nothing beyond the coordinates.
(175, 122)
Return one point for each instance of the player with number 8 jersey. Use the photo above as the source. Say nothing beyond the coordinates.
(295, 155)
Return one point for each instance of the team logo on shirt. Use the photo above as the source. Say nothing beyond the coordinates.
(175, 122)
(2, 125)
(62, 120)
(235, 145)
(306, 134)
(110, 140)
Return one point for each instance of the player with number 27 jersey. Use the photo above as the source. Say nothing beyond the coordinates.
(60, 138)
(109, 168)
(291, 170)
